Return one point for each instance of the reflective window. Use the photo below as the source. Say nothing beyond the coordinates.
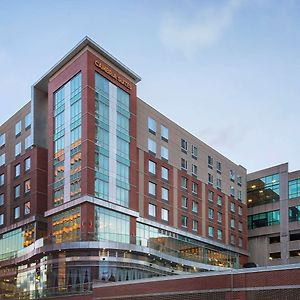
(2, 140)
(219, 184)
(194, 187)
(164, 194)
(17, 170)
(264, 219)
(1, 179)
(27, 186)
(152, 167)
(232, 207)
(294, 213)
(232, 192)
(184, 201)
(184, 221)
(220, 234)
(194, 170)
(194, 206)
(184, 182)
(219, 200)
(232, 223)
(210, 231)
(1, 219)
(17, 212)
(195, 225)
(164, 173)
(27, 208)
(152, 188)
(28, 121)
(219, 217)
(164, 132)
(263, 190)
(111, 225)
(17, 191)
(151, 146)
(164, 214)
(164, 152)
(194, 151)
(151, 125)
(184, 164)
(27, 164)
(210, 213)
(2, 159)
(232, 175)
(210, 196)
(18, 128)
(294, 188)
(1, 199)
(152, 210)
(18, 149)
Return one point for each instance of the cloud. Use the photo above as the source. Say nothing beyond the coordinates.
(192, 34)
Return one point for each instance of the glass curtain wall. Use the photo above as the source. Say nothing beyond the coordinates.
(112, 156)
(67, 141)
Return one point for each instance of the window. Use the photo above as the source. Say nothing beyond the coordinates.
(27, 164)
(294, 188)
(17, 212)
(18, 149)
(231, 191)
(219, 217)
(210, 161)
(232, 239)
(219, 183)
(1, 179)
(164, 173)
(184, 221)
(219, 167)
(2, 140)
(28, 121)
(18, 128)
(17, 191)
(210, 196)
(240, 195)
(152, 210)
(184, 164)
(195, 225)
(164, 132)
(294, 213)
(240, 211)
(164, 214)
(232, 175)
(210, 179)
(152, 188)
(239, 180)
(211, 213)
(194, 206)
(184, 201)
(1, 199)
(27, 186)
(232, 207)
(194, 152)
(240, 242)
(184, 145)
(232, 223)
(151, 146)
(269, 218)
(151, 125)
(164, 152)
(1, 219)
(194, 170)
(219, 200)
(184, 182)
(220, 234)
(28, 142)
(17, 170)
(152, 167)
(194, 188)
(210, 231)
(2, 159)
(240, 226)
(27, 208)
(164, 194)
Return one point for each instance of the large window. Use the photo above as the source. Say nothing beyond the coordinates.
(294, 213)
(263, 190)
(111, 225)
(294, 188)
(264, 219)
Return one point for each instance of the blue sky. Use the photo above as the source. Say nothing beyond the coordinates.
(227, 71)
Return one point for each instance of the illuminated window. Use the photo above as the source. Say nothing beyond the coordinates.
(27, 186)
(27, 208)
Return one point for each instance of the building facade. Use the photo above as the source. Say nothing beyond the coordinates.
(273, 216)
(117, 190)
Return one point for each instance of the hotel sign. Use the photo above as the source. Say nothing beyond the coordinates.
(112, 74)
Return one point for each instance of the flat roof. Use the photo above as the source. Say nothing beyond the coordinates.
(86, 41)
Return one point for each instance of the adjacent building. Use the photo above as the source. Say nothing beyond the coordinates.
(274, 215)
(95, 184)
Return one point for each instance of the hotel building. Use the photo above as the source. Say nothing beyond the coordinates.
(95, 184)
(274, 215)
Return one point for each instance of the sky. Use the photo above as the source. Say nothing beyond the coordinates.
(228, 71)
